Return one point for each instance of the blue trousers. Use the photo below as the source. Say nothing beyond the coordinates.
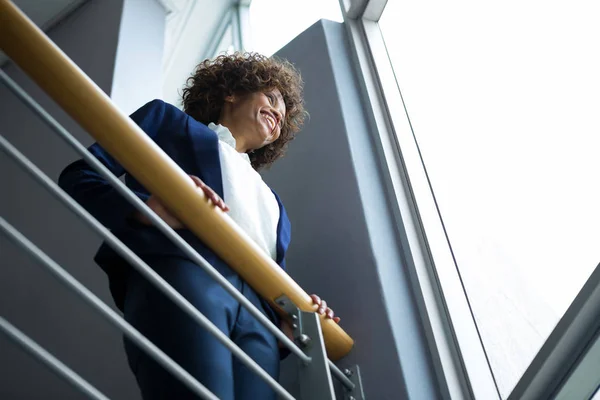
(190, 345)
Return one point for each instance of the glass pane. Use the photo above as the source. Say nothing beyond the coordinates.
(274, 23)
(504, 101)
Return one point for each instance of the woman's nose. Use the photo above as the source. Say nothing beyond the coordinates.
(277, 116)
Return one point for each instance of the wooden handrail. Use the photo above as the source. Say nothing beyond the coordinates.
(87, 104)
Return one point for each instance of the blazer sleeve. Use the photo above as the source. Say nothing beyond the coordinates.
(92, 191)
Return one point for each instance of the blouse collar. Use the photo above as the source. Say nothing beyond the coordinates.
(225, 136)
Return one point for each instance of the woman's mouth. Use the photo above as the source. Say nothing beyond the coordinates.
(270, 120)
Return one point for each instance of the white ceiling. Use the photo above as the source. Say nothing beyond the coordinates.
(44, 13)
(191, 24)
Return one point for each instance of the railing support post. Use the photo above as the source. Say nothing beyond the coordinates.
(356, 393)
(314, 377)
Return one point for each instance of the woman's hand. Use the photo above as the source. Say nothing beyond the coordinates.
(208, 192)
(159, 208)
(287, 328)
(323, 309)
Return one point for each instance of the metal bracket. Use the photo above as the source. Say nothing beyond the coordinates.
(357, 393)
(314, 378)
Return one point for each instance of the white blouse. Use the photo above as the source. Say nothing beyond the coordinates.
(251, 202)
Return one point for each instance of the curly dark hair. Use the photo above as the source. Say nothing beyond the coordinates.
(243, 73)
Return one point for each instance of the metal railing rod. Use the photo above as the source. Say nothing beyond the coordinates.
(53, 363)
(67, 279)
(337, 373)
(143, 208)
(140, 266)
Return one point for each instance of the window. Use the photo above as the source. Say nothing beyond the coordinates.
(274, 23)
(226, 43)
(503, 101)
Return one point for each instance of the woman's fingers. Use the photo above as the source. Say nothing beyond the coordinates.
(197, 181)
(208, 192)
(329, 313)
(321, 304)
(323, 309)
(216, 200)
(316, 300)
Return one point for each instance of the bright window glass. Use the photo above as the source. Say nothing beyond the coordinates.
(504, 102)
(274, 23)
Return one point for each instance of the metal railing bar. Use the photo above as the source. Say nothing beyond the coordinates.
(143, 208)
(139, 265)
(90, 298)
(53, 363)
(337, 373)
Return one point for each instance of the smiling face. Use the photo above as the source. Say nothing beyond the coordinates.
(254, 119)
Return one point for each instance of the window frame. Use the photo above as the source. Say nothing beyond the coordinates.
(237, 17)
(458, 354)
(227, 21)
(561, 368)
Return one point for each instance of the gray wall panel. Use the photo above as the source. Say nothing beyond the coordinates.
(138, 74)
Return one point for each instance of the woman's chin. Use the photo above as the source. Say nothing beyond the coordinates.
(266, 137)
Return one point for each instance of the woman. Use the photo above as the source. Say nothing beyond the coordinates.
(240, 112)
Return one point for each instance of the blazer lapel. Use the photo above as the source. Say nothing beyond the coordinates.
(284, 233)
(205, 147)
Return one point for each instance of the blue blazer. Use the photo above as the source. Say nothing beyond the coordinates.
(195, 148)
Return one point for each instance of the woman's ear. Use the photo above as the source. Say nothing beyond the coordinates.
(230, 99)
